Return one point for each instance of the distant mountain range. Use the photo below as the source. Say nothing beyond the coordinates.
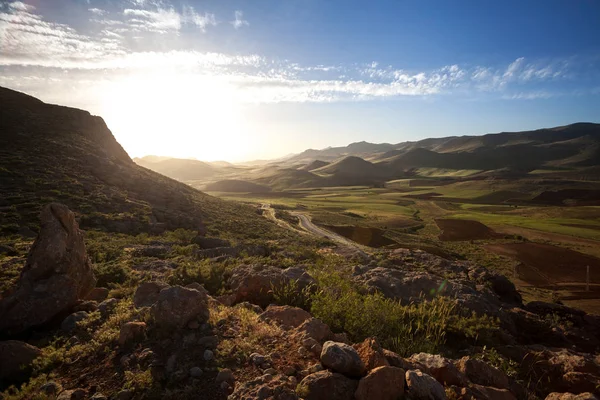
(567, 149)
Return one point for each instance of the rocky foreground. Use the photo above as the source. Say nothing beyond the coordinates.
(66, 339)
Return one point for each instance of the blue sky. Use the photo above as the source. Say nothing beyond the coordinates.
(250, 79)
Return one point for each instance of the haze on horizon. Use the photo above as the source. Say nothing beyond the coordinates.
(237, 80)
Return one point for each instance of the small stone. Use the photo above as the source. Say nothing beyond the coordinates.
(225, 375)
(257, 359)
(270, 371)
(195, 372)
(264, 392)
(98, 396)
(302, 352)
(289, 370)
(208, 355)
(51, 388)
(132, 332)
(275, 355)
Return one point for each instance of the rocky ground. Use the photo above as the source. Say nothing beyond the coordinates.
(399, 324)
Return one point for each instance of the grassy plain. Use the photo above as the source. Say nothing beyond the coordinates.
(407, 211)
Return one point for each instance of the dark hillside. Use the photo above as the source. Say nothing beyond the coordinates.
(51, 153)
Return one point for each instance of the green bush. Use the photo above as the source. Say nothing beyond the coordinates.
(291, 294)
(111, 273)
(405, 329)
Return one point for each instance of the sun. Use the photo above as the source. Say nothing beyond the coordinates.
(177, 115)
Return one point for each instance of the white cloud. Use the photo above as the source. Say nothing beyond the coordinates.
(28, 40)
(202, 21)
(239, 21)
(20, 6)
(161, 20)
(97, 11)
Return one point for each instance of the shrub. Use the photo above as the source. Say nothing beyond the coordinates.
(111, 273)
(291, 294)
(405, 329)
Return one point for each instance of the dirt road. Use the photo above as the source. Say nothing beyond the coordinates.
(306, 224)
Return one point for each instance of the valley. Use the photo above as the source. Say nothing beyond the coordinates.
(472, 219)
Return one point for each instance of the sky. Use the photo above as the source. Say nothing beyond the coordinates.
(259, 79)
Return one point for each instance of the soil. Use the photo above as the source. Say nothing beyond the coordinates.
(464, 229)
(543, 264)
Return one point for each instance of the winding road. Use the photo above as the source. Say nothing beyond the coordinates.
(308, 226)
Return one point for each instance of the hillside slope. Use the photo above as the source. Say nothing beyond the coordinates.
(50, 153)
(176, 168)
(572, 145)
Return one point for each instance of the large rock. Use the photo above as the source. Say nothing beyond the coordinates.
(371, 353)
(255, 283)
(327, 385)
(15, 359)
(316, 329)
(286, 316)
(421, 386)
(491, 393)
(342, 358)
(383, 383)
(177, 306)
(440, 368)
(483, 374)
(147, 293)
(57, 273)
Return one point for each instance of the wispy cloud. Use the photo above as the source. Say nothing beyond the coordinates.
(28, 40)
(239, 21)
(97, 11)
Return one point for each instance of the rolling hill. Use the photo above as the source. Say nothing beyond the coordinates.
(177, 168)
(50, 153)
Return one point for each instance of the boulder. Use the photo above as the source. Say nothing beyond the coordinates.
(177, 306)
(316, 329)
(442, 369)
(491, 393)
(131, 332)
(147, 293)
(371, 353)
(382, 383)
(396, 361)
(288, 317)
(16, 359)
(483, 374)
(327, 385)
(57, 273)
(254, 283)
(69, 324)
(421, 386)
(342, 358)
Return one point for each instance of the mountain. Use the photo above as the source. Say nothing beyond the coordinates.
(236, 185)
(177, 168)
(50, 153)
(576, 145)
(313, 165)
